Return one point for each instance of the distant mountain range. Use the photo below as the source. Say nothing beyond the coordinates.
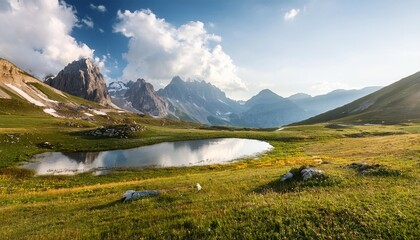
(205, 103)
(267, 109)
(322, 103)
(199, 101)
(396, 103)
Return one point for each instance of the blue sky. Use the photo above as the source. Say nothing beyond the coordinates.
(311, 46)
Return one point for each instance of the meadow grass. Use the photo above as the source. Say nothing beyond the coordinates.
(242, 200)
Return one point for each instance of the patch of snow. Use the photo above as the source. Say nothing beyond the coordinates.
(25, 95)
(280, 129)
(221, 101)
(88, 114)
(52, 112)
(117, 86)
(97, 112)
(46, 99)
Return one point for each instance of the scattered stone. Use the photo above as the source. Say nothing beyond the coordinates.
(286, 176)
(12, 138)
(198, 186)
(131, 195)
(72, 124)
(118, 131)
(45, 145)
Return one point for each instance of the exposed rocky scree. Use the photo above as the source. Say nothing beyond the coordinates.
(82, 78)
(139, 97)
(145, 99)
(118, 131)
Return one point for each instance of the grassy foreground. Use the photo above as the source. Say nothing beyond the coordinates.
(243, 200)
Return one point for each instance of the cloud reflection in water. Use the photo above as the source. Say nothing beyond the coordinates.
(168, 154)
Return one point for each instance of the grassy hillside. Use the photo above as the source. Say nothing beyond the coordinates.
(396, 103)
(243, 200)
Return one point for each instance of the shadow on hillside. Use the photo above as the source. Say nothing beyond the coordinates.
(107, 205)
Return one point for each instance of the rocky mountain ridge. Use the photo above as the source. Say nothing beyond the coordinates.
(23, 94)
(205, 103)
(82, 78)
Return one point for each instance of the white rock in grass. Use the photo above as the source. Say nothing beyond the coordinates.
(132, 195)
(308, 173)
(198, 186)
(286, 176)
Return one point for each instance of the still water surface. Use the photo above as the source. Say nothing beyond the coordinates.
(167, 154)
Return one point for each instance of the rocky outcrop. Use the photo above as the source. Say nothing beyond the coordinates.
(145, 99)
(119, 131)
(82, 78)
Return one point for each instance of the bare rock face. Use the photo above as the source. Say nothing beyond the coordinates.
(145, 99)
(82, 78)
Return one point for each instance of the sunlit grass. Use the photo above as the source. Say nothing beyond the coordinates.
(242, 200)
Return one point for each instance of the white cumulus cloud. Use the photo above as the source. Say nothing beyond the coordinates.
(158, 51)
(100, 8)
(291, 14)
(36, 36)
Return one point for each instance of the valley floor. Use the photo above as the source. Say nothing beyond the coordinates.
(243, 200)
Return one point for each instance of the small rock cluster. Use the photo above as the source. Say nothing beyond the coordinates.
(119, 131)
(72, 124)
(363, 168)
(302, 173)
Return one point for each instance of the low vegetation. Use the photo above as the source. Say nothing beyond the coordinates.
(242, 200)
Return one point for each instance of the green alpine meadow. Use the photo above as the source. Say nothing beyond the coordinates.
(209, 119)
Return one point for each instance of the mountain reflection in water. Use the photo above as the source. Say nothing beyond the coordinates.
(167, 154)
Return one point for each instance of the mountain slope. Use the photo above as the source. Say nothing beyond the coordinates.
(267, 109)
(322, 103)
(23, 94)
(201, 101)
(82, 78)
(145, 99)
(398, 102)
